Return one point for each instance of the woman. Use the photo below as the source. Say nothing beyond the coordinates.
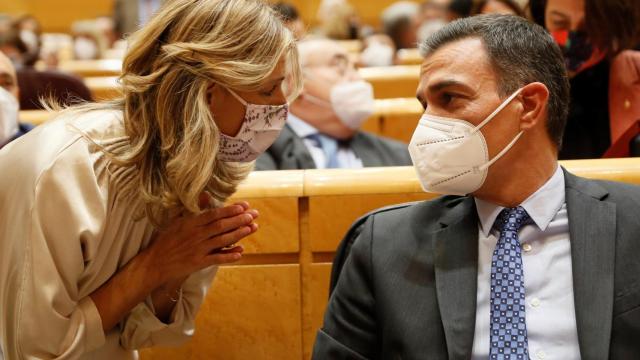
(595, 37)
(505, 7)
(111, 217)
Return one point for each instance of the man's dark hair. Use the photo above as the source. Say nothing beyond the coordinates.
(520, 53)
(286, 11)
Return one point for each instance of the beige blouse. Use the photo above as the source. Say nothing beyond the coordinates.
(64, 231)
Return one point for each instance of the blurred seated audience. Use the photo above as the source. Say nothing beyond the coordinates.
(322, 127)
(30, 32)
(377, 50)
(504, 7)
(36, 84)
(338, 20)
(291, 18)
(400, 22)
(433, 17)
(597, 38)
(10, 128)
(129, 15)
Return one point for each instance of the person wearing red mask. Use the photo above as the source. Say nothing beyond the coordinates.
(597, 38)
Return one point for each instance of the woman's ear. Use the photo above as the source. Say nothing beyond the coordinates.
(534, 98)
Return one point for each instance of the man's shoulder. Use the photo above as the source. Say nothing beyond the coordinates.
(607, 190)
(425, 214)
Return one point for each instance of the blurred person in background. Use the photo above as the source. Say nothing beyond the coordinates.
(112, 216)
(597, 38)
(377, 50)
(400, 23)
(30, 32)
(10, 127)
(291, 18)
(322, 129)
(36, 84)
(338, 20)
(433, 17)
(459, 9)
(130, 15)
(504, 7)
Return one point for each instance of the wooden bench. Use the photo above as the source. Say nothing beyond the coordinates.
(393, 118)
(409, 57)
(388, 81)
(271, 304)
(392, 81)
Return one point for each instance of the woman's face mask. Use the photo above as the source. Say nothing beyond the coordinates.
(260, 128)
(578, 51)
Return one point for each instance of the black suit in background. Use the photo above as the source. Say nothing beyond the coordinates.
(408, 287)
(289, 152)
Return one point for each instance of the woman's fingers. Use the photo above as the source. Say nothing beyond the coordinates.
(229, 238)
(212, 215)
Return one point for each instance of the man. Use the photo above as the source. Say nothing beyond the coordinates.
(322, 127)
(10, 128)
(535, 263)
(399, 22)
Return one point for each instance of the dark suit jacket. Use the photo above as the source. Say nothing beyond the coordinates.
(288, 152)
(64, 88)
(408, 286)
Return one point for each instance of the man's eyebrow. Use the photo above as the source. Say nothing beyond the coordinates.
(445, 84)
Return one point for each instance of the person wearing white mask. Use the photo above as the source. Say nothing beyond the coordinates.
(112, 215)
(322, 129)
(521, 259)
(10, 128)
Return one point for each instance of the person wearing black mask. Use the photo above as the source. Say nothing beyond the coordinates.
(597, 38)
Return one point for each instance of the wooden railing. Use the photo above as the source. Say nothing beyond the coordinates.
(271, 304)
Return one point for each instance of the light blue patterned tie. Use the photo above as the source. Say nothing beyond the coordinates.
(508, 326)
(330, 148)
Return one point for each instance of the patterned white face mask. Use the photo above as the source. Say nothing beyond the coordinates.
(260, 128)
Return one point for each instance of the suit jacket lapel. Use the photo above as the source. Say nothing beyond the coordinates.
(592, 229)
(293, 152)
(456, 269)
(364, 152)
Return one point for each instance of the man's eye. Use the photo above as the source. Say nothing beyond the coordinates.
(447, 98)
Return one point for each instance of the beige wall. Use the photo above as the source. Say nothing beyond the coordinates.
(57, 15)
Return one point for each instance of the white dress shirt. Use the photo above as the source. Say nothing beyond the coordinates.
(347, 159)
(548, 280)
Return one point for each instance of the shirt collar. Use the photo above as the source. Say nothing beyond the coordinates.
(300, 127)
(542, 206)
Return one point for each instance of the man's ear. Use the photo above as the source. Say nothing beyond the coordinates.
(534, 98)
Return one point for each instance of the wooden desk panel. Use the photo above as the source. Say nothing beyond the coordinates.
(278, 231)
(251, 312)
(341, 211)
(317, 291)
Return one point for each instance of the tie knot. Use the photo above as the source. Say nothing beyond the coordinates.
(512, 219)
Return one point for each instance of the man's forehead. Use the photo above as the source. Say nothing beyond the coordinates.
(321, 52)
(465, 60)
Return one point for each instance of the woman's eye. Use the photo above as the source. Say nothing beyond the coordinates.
(270, 92)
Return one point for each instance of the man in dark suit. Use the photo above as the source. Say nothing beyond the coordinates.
(535, 263)
(322, 129)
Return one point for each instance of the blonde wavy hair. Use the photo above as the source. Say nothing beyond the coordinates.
(170, 64)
